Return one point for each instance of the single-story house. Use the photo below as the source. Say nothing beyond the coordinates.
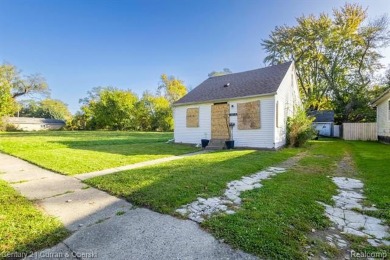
(323, 121)
(35, 124)
(253, 105)
(382, 104)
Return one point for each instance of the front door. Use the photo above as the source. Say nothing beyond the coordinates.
(220, 121)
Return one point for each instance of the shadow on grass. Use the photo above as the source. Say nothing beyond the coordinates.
(89, 134)
(35, 243)
(140, 147)
(79, 152)
(24, 228)
(166, 187)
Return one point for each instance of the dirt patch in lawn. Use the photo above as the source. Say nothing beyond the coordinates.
(331, 243)
(346, 167)
(292, 161)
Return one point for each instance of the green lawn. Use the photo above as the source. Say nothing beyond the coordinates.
(23, 228)
(373, 163)
(273, 222)
(80, 152)
(165, 187)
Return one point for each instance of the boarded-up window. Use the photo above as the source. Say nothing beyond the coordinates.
(192, 117)
(248, 115)
(277, 113)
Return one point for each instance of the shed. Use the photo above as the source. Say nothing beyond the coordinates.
(323, 122)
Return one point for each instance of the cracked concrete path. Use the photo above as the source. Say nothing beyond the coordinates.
(107, 227)
(230, 201)
(88, 175)
(349, 197)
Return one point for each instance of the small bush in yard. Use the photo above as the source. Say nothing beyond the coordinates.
(299, 128)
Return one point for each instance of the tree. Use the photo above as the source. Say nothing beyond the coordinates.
(386, 78)
(110, 108)
(220, 73)
(335, 58)
(154, 113)
(162, 118)
(24, 85)
(7, 103)
(173, 88)
(299, 128)
(48, 108)
(12, 86)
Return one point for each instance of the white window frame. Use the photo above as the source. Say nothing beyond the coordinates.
(388, 110)
(277, 114)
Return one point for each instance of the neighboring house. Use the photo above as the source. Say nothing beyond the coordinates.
(324, 121)
(382, 104)
(35, 124)
(256, 102)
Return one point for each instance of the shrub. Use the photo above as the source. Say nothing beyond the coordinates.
(11, 128)
(299, 128)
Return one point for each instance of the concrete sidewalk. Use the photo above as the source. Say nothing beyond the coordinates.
(106, 227)
(88, 175)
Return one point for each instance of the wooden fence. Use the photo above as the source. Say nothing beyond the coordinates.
(360, 131)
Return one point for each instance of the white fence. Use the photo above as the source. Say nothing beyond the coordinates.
(360, 131)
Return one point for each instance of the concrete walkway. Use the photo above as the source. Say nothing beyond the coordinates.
(106, 227)
(88, 175)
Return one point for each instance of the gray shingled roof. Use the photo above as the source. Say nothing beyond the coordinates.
(33, 120)
(248, 83)
(323, 115)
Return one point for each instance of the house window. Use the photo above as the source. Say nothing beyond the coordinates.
(192, 117)
(277, 114)
(248, 115)
(388, 111)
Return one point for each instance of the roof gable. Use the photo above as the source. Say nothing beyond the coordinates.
(243, 84)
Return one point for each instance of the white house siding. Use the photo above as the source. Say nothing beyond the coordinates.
(256, 138)
(287, 97)
(192, 135)
(383, 122)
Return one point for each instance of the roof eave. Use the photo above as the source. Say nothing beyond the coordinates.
(379, 100)
(223, 99)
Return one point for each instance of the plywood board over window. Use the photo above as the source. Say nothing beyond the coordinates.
(248, 115)
(192, 117)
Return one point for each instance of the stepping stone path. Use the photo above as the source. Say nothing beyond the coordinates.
(351, 222)
(334, 239)
(204, 208)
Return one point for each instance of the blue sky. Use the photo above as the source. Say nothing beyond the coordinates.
(78, 45)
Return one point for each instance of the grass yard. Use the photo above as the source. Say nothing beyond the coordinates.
(23, 228)
(165, 187)
(275, 220)
(85, 151)
(373, 163)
